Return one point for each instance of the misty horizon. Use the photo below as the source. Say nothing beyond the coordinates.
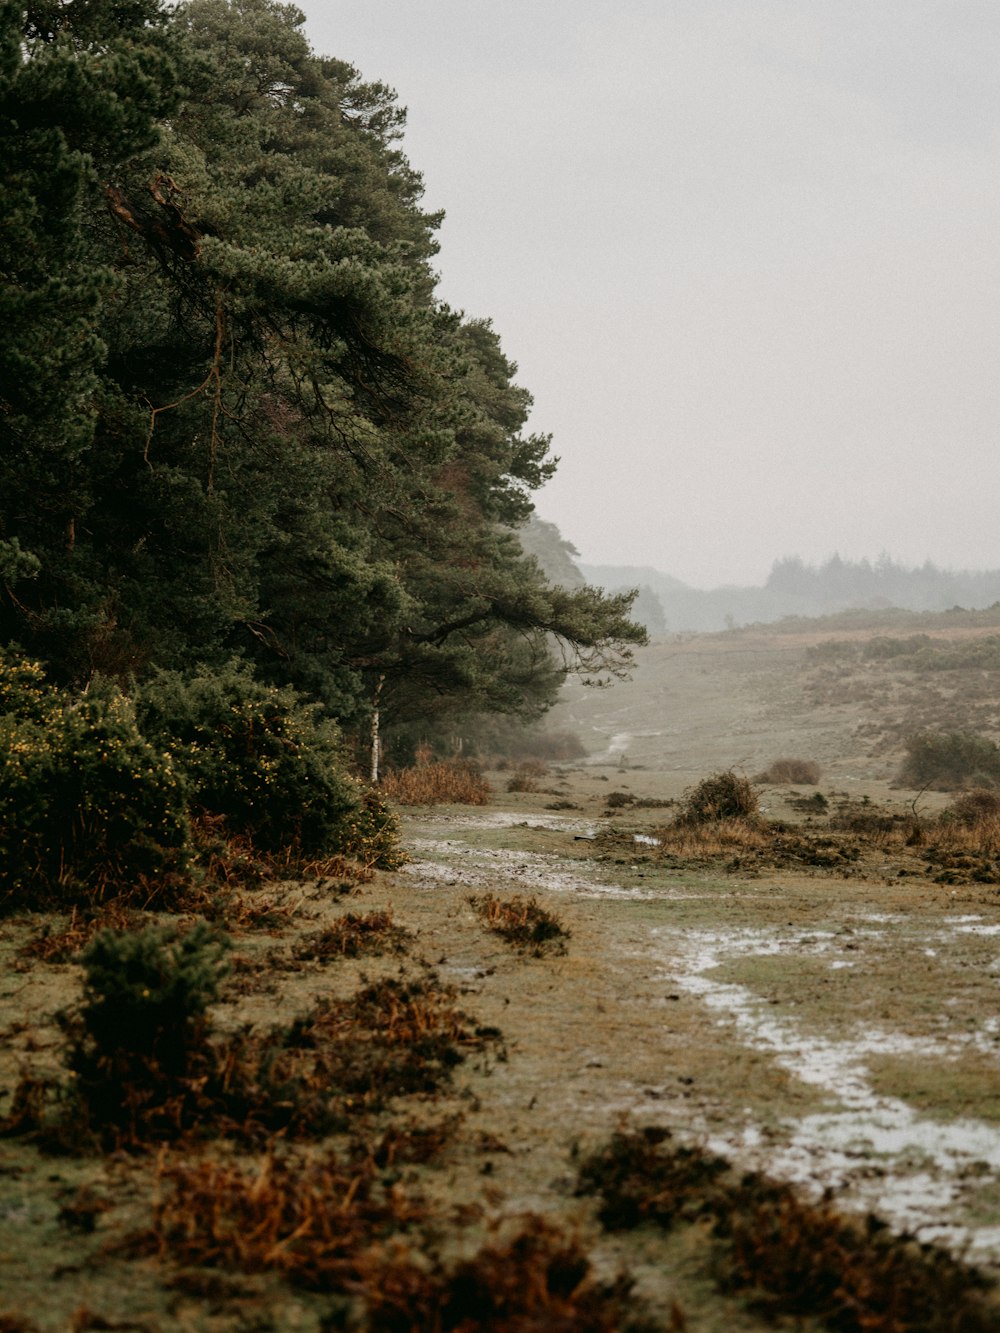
(744, 256)
(816, 566)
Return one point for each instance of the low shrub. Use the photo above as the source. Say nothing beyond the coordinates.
(322, 1225)
(978, 806)
(371, 834)
(526, 776)
(141, 1026)
(354, 936)
(789, 772)
(720, 796)
(618, 800)
(88, 807)
(147, 1070)
(948, 760)
(269, 763)
(456, 781)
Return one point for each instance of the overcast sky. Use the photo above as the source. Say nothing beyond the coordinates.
(744, 252)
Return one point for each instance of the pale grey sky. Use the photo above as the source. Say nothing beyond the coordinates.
(745, 253)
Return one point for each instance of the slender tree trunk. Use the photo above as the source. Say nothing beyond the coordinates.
(376, 739)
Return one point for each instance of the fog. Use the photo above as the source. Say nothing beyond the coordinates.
(744, 254)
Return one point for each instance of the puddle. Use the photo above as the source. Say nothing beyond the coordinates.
(888, 1158)
(480, 868)
(876, 1151)
(500, 819)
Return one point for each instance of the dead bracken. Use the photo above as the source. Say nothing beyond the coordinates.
(795, 1259)
(354, 936)
(522, 922)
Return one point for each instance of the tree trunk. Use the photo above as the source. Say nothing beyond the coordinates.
(376, 739)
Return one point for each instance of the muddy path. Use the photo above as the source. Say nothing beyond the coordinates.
(839, 1033)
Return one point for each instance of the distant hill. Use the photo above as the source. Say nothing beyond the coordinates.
(794, 588)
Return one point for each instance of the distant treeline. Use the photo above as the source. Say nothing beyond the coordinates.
(795, 588)
(885, 583)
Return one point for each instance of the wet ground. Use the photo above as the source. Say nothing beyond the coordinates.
(840, 1035)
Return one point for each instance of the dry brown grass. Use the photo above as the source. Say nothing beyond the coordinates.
(58, 944)
(453, 781)
(722, 837)
(308, 1220)
(981, 838)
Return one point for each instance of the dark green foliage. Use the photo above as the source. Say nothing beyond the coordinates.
(269, 763)
(947, 760)
(146, 992)
(88, 807)
(237, 420)
(372, 833)
(81, 89)
(140, 1034)
(720, 796)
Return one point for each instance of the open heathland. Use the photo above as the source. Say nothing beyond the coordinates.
(755, 1082)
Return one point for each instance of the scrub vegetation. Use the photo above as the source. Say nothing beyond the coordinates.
(262, 593)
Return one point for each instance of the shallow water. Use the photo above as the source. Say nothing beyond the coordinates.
(908, 1168)
(877, 1152)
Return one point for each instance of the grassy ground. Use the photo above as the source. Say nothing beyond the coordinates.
(814, 1003)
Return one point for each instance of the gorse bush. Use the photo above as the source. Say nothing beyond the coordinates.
(947, 760)
(146, 992)
(88, 807)
(717, 797)
(96, 790)
(259, 756)
(786, 770)
(978, 806)
(372, 833)
(140, 1032)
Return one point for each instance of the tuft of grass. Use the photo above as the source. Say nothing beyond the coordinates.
(790, 772)
(794, 1259)
(719, 838)
(522, 922)
(454, 781)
